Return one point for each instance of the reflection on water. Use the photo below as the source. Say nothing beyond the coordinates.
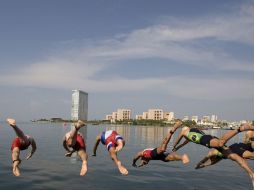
(49, 169)
(145, 135)
(150, 136)
(124, 131)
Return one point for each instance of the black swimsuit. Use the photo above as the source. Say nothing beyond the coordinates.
(156, 156)
(199, 137)
(240, 148)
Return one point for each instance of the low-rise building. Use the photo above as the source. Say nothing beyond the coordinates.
(123, 114)
(185, 118)
(145, 115)
(119, 115)
(139, 117)
(169, 116)
(109, 117)
(155, 114)
(194, 118)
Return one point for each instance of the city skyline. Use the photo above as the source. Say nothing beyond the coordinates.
(194, 57)
(169, 115)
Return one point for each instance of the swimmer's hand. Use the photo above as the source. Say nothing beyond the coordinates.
(118, 148)
(141, 165)
(29, 156)
(199, 166)
(68, 154)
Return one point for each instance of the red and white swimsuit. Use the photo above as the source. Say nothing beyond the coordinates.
(80, 142)
(110, 138)
(147, 153)
(22, 144)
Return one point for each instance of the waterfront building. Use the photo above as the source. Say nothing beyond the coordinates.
(169, 116)
(139, 117)
(114, 117)
(194, 118)
(109, 117)
(206, 118)
(79, 107)
(145, 115)
(119, 115)
(155, 114)
(123, 114)
(214, 118)
(186, 118)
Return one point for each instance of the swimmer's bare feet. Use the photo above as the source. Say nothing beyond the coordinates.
(15, 169)
(83, 168)
(11, 121)
(185, 159)
(79, 124)
(122, 169)
(252, 179)
(178, 122)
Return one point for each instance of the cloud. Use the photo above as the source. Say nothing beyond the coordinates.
(189, 41)
(186, 41)
(211, 89)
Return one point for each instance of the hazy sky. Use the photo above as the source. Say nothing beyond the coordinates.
(193, 57)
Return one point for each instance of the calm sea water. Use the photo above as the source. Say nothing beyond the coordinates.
(49, 169)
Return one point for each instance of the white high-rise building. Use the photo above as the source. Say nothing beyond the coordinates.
(79, 107)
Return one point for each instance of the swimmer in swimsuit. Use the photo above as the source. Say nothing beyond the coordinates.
(76, 142)
(21, 142)
(244, 150)
(159, 153)
(199, 137)
(236, 152)
(249, 137)
(114, 143)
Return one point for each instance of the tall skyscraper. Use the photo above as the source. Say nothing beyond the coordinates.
(79, 107)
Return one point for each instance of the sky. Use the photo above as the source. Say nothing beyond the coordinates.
(192, 57)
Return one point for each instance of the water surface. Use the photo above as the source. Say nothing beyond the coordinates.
(49, 169)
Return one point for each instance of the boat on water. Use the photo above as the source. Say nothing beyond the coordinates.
(231, 127)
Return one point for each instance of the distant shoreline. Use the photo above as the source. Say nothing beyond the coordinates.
(161, 123)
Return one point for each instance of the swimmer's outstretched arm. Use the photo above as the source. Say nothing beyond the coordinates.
(143, 163)
(175, 148)
(135, 159)
(65, 146)
(33, 144)
(97, 142)
(68, 151)
(210, 159)
(179, 138)
(206, 161)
